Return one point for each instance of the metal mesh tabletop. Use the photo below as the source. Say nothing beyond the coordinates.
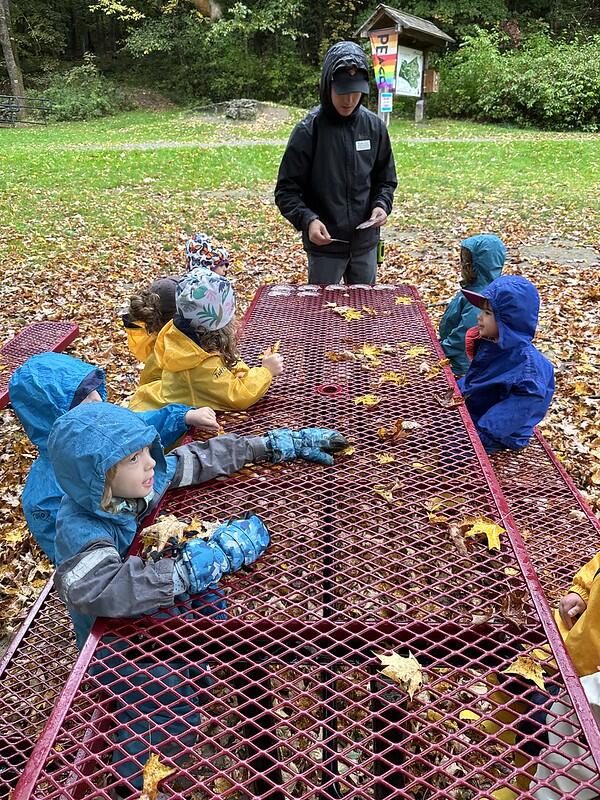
(39, 337)
(277, 691)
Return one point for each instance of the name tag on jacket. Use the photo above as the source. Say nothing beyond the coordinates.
(363, 144)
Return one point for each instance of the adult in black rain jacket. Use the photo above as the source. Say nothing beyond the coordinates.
(338, 172)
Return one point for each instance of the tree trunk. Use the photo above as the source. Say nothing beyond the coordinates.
(8, 49)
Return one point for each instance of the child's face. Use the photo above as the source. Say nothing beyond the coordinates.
(221, 270)
(92, 397)
(486, 322)
(135, 475)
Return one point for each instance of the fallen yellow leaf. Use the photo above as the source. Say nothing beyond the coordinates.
(154, 772)
(16, 535)
(393, 377)
(417, 350)
(348, 313)
(403, 301)
(387, 492)
(527, 668)
(485, 526)
(385, 458)
(347, 451)
(370, 350)
(369, 310)
(369, 400)
(345, 355)
(465, 714)
(421, 467)
(404, 671)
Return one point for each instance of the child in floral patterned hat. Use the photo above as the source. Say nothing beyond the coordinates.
(198, 355)
(200, 252)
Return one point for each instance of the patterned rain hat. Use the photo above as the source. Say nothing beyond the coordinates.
(205, 300)
(200, 252)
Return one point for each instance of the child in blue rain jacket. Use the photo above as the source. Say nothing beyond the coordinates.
(482, 259)
(44, 388)
(93, 534)
(509, 384)
(112, 468)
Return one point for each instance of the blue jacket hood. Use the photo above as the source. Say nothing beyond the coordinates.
(489, 254)
(342, 54)
(516, 304)
(91, 438)
(46, 386)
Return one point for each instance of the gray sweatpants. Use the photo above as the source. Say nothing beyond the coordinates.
(352, 268)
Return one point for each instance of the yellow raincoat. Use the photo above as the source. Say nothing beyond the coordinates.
(141, 345)
(194, 377)
(583, 640)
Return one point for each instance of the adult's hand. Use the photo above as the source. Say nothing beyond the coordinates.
(318, 233)
(378, 216)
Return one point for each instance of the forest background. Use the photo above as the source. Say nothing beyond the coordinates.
(525, 62)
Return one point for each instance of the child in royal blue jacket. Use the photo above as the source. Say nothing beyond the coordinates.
(481, 259)
(509, 384)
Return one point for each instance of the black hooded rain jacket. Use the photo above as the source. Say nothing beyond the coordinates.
(337, 168)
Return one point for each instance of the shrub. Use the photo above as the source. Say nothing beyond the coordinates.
(82, 93)
(550, 84)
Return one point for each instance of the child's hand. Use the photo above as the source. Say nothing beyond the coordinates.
(571, 606)
(273, 362)
(204, 418)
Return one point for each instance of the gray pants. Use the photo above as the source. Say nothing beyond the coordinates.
(352, 268)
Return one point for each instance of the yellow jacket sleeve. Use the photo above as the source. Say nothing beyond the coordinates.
(213, 384)
(582, 582)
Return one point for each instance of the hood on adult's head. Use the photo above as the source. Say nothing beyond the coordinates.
(516, 304)
(488, 255)
(46, 386)
(340, 56)
(91, 438)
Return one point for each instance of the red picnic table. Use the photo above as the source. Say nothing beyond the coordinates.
(368, 557)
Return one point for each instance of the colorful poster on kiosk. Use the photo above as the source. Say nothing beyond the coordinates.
(384, 44)
(409, 74)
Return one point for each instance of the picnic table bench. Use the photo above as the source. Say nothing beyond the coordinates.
(362, 561)
(39, 337)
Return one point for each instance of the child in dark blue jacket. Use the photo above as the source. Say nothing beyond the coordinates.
(482, 259)
(509, 384)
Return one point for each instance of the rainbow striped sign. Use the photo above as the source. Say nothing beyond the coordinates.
(384, 46)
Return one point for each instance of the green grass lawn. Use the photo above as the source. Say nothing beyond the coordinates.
(73, 174)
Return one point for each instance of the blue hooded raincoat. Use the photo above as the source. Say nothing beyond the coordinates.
(510, 384)
(488, 255)
(44, 388)
(83, 445)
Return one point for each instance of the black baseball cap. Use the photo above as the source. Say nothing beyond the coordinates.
(345, 83)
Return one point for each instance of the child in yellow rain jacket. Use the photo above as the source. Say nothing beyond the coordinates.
(578, 618)
(149, 311)
(197, 352)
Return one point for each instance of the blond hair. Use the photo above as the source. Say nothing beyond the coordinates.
(106, 502)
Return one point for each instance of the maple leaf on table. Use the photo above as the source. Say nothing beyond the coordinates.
(405, 671)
